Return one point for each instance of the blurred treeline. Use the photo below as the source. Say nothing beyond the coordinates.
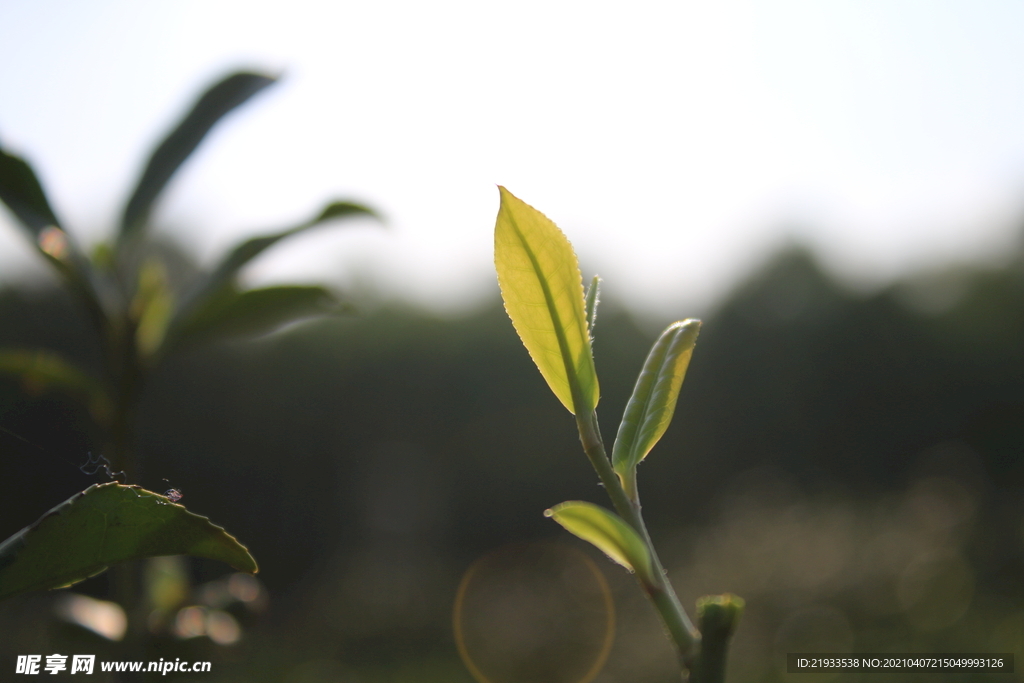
(850, 463)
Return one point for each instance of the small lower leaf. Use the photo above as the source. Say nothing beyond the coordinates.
(608, 532)
(103, 525)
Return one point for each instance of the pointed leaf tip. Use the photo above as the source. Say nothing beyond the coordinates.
(339, 209)
(542, 289)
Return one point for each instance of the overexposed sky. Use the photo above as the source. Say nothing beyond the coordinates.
(675, 142)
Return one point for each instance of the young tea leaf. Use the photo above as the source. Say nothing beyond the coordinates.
(542, 288)
(607, 532)
(103, 525)
(653, 402)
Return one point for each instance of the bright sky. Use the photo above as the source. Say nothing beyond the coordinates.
(675, 142)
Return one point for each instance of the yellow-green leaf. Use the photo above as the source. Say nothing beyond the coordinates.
(653, 402)
(607, 532)
(541, 285)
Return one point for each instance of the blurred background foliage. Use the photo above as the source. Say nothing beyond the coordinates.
(848, 462)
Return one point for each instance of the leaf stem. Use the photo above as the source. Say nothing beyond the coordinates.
(661, 594)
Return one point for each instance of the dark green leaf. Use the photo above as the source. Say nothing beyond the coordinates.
(341, 210)
(255, 311)
(215, 103)
(224, 274)
(23, 194)
(104, 525)
(251, 248)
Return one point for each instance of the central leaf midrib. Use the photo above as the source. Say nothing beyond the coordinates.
(563, 343)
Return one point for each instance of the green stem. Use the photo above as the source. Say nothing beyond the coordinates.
(711, 666)
(661, 594)
(125, 376)
(718, 616)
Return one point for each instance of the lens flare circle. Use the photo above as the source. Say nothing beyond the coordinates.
(534, 611)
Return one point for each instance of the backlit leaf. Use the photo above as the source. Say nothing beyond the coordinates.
(542, 288)
(653, 402)
(607, 532)
(104, 525)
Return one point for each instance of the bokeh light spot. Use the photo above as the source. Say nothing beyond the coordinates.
(222, 627)
(534, 612)
(54, 243)
(99, 616)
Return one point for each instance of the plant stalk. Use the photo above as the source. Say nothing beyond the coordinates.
(661, 594)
